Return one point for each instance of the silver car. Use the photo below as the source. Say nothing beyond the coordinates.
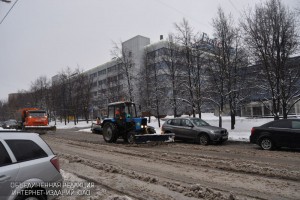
(195, 129)
(28, 168)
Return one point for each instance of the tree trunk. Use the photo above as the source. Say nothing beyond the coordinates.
(284, 110)
(175, 108)
(157, 112)
(220, 119)
(232, 115)
(221, 112)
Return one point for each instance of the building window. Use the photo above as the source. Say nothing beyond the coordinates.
(102, 82)
(120, 76)
(111, 69)
(94, 84)
(94, 75)
(102, 72)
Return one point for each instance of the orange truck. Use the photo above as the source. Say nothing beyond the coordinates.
(35, 120)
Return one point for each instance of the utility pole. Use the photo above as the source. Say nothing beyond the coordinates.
(8, 1)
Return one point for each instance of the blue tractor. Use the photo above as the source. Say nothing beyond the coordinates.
(122, 122)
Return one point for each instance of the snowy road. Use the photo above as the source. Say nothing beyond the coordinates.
(235, 170)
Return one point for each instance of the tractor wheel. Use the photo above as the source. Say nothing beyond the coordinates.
(129, 138)
(110, 133)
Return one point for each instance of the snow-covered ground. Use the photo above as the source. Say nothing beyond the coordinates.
(240, 133)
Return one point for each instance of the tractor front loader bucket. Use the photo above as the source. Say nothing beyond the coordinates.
(154, 138)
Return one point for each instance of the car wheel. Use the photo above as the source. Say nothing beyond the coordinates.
(203, 139)
(266, 143)
(110, 133)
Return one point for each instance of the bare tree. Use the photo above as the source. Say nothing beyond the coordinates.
(271, 34)
(221, 61)
(4, 110)
(172, 61)
(71, 94)
(184, 38)
(228, 59)
(82, 94)
(199, 78)
(155, 76)
(145, 86)
(21, 99)
(62, 91)
(124, 58)
(40, 92)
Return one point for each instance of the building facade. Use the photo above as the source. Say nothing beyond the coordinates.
(110, 81)
(259, 101)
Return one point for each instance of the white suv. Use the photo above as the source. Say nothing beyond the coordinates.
(28, 168)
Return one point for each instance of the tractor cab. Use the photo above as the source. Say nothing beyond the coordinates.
(121, 110)
(123, 114)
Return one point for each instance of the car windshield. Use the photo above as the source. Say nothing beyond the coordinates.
(11, 122)
(199, 122)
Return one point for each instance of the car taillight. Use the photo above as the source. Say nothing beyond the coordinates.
(252, 131)
(55, 163)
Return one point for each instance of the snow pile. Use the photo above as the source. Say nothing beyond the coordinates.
(61, 125)
(2, 129)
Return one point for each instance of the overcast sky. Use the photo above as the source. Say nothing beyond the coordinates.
(43, 37)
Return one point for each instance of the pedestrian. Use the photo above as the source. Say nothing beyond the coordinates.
(98, 120)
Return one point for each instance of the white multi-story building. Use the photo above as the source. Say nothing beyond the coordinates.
(109, 82)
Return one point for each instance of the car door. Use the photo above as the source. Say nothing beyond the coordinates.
(281, 132)
(187, 130)
(176, 128)
(8, 171)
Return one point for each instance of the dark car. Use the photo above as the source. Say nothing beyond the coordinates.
(195, 129)
(279, 133)
(10, 124)
(96, 128)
